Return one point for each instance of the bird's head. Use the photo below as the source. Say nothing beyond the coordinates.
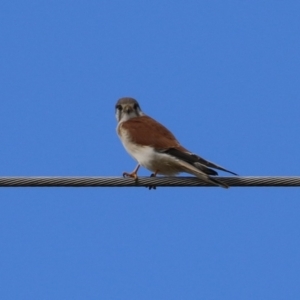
(127, 108)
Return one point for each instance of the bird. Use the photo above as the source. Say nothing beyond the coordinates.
(155, 147)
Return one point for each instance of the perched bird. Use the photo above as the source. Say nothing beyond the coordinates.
(154, 147)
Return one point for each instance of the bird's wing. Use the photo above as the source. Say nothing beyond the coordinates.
(184, 155)
(199, 162)
(211, 165)
(148, 132)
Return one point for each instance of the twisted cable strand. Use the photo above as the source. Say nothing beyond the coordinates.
(249, 181)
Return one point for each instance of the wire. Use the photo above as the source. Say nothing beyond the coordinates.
(249, 181)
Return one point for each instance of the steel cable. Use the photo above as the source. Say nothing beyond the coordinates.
(249, 181)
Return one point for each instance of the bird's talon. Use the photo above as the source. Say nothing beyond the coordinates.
(132, 175)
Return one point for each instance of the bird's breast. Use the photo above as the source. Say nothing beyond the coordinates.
(139, 152)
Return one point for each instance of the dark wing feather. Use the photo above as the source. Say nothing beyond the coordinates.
(211, 165)
(196, 160)
(191, 159)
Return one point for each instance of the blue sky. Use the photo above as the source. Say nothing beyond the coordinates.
(222, 75)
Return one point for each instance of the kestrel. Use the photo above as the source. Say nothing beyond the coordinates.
(154, 147)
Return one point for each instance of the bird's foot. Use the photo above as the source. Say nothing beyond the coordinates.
(132, 175)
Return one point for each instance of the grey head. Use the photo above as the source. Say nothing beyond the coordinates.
(127, 108)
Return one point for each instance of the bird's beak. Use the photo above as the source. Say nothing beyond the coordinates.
(127, 109)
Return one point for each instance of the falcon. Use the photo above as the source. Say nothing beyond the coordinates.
(154, 147)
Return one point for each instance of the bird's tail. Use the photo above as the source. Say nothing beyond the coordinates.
(188, 168)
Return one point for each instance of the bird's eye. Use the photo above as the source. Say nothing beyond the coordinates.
(135, 106)
(119, 107)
